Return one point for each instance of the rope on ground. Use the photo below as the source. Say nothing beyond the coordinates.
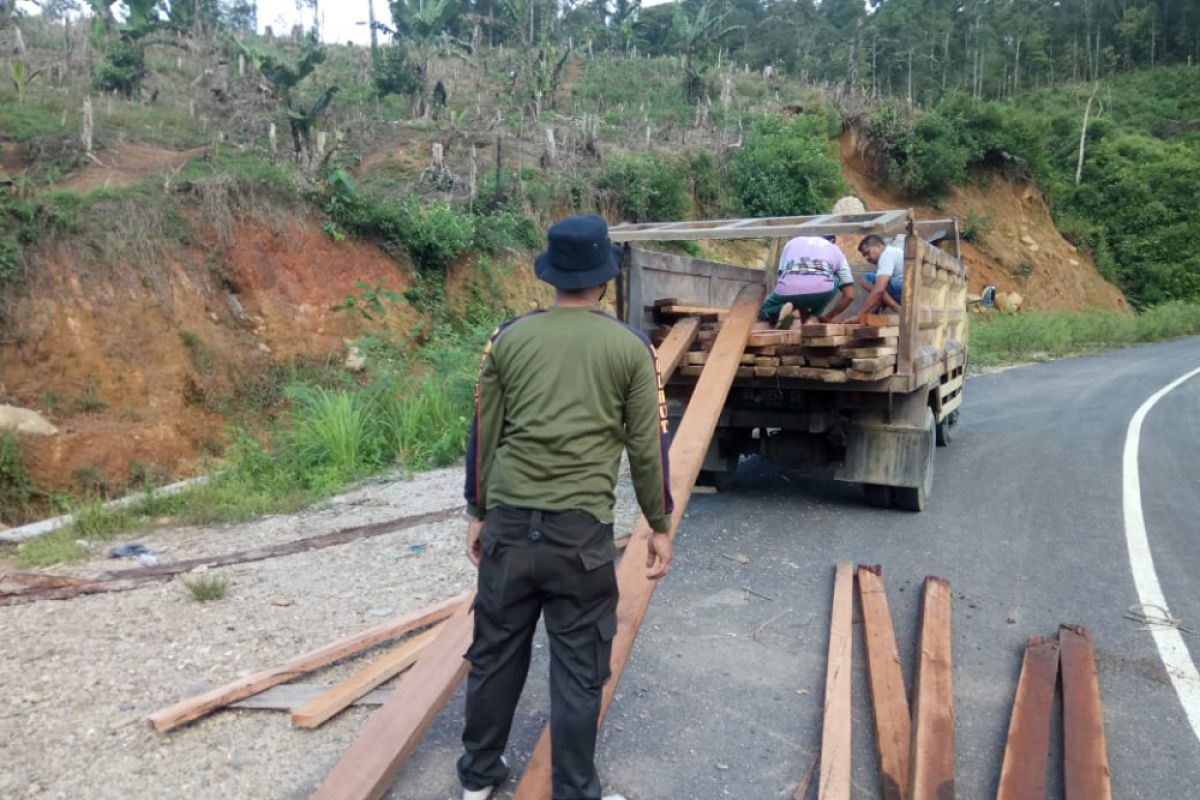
(1154, 617)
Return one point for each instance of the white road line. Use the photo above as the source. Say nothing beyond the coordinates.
(1171, 648)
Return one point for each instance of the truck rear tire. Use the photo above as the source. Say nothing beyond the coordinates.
(945, 429)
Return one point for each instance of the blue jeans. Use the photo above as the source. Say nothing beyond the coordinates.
(895, 286)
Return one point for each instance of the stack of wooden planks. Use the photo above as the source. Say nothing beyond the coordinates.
(916, 751)
(1085, 755)
(827, 352)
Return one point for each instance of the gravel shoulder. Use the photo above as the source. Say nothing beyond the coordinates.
(80, 675)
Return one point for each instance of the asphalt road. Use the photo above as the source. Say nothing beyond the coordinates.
(723, 694)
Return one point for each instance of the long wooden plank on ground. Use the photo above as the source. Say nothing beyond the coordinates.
(889, 700)
(195, 707)
(931, 774)
(316, 712)
(687, 454)
(368, 767)
(290, 696)
(1023, 774)
(1085, 754)
(835, 729)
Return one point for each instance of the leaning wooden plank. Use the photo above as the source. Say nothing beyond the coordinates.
(1023, 774)
(875, 364)
(316, 712)
(931, 775)
(195, 707)
(889, 700)
(677, 343)
(367, 768)
(687, 454)
(835, 730)
(1085, 754)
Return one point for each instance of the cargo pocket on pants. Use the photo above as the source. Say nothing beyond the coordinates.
(606, 631)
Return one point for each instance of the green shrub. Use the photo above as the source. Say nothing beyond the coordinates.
(976, 226)
(391, 74)
(436, 236)
(16, 487)
(646, 188)
(504, 228)
(788, 166)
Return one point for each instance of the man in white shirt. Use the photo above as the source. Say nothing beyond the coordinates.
(885, 286)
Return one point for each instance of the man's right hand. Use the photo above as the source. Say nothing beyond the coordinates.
(659, 556)
(474, 543)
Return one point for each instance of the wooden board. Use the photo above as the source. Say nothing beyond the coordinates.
(1085, 754)
(767, 361)
(931, 775)
(882, 320)
(765, 372)
(835, 729)
(817, 329)
(687, 454)
(316, 712)
(124, 580)
(677, 343)
(289, 696)
(867, 352)
(876, 332)
(747, 359)
(876, 364)
(765, 338)
(695, 358)
(195, 707)
(825, 362)
(370, 765)
(767, 350)
(868, 377)
(791, 361)
(676, 309)
(826, 341)
(1023, 774)
(889, 700)
(813, 374)
(745, 372)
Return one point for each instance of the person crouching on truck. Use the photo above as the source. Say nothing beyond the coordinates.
(561, 392)
(812, 272)
(885, 286)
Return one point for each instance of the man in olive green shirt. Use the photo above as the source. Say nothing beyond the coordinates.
(561, 392)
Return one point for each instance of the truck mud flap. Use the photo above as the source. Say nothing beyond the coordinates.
(887, 454)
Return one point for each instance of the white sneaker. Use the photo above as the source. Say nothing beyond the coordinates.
(485, 793)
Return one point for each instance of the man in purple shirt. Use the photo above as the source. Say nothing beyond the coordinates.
(812, 271)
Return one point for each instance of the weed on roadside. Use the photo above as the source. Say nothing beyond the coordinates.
(207, 588)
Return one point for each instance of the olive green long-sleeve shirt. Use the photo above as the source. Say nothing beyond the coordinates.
(561, 392)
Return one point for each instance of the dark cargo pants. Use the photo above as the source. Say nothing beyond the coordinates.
(560, 563)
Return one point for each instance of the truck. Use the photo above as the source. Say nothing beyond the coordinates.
(881, 433)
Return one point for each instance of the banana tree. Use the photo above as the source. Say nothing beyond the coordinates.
(283, 78)
(424, 22)
(22, 77)
(695, 36)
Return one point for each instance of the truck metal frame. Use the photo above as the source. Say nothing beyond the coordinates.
(880, 433)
